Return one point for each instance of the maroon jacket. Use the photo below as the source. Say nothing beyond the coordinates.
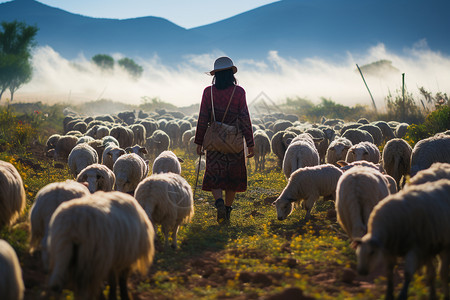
(237, 112)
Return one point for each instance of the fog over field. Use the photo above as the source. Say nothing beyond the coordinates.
(56, 79)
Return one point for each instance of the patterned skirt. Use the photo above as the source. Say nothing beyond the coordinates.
(225, 171)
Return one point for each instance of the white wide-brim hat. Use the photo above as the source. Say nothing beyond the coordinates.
(223, 63)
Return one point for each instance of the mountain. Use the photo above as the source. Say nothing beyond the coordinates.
(295, 28)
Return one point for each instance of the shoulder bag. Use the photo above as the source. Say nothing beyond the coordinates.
(222, 137)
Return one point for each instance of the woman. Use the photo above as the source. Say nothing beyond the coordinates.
(224, 172)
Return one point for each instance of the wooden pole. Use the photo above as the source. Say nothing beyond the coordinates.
(403, 97)
(362, 76)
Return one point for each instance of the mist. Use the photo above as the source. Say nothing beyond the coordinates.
(56, 79)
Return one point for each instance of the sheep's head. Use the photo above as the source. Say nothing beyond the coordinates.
(368, 253)
(284, 208)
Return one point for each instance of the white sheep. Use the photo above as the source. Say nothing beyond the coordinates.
(11, 282)
(435, 172)
(307, 184)
(167, 161)
(80, 157)
(12, 194)
(46, 202)
(298, 155)
(139, 150)
(111, 153)
(414, 224)
(63, 147)
(356, 136)
(129, 170)
(261, 149)
(428, 151)
(363, 151)
(337, 150)
(98, 177)
(167, 199)
(358, 190)
(397, 159)
(102, 236)
(139, 132)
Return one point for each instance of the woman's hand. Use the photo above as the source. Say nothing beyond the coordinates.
(251, 153)
(199, 150)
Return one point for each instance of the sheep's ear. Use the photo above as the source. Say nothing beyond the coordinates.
(342, 163)
(274, 203)
(355, 243)
(180, 160)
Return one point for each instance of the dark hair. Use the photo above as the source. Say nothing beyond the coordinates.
(224, 79)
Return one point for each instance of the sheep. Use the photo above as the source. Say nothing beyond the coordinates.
(337, 150)
(166, 162)
(413, 224)
(139, 133)
(111, 154)
(281, 125)
(85, 139)
(129, 170)
(150, 126)
(102, 131)
(139, 150)
(397, 159)
(52, 141)
(107, 140)
(358, 190)
(307, 184)
(124, 135)
(401, 129)
(363, 151)
(387, 131)
(11, 283)
(80, 157)
(167, 199)
(261, 149)
(158, 142)
(374, 131)
(102, 236)
(63, 147)
(279, 145)
(356, 136)
(347, 126)
(435, 172)
(173, 131)
(47, 200)
(12, 194)
(98, 177)
(186, 138)
(298, 155)
(428, 151)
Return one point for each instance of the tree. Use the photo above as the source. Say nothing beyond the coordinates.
(16, 42)
(131, 67)
(104, 61)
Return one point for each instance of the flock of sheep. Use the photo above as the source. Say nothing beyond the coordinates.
(71, 222)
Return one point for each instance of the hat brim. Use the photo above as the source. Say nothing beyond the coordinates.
(217, 70)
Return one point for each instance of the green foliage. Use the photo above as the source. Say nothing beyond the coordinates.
(131, 67)
(104, 61)
(14, 133)
(436, 121)
(16, 42)
(154, 103)
(403, 109)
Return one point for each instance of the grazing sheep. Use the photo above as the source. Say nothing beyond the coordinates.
(428, 151)
(320, 140)
(47, 200)
(124, 135)
(337, 150)
(173, 131)
(80, 157)
(129, 169)
(158, 142)
(374, 131)
(12, 194)
(358, 190)
(167, 199)
(139, 133)
(434, 173)
(298, 155)
(363, 151)
(63, 147)
(52, 141)
(139, 150)
(387, 131)
(11, 282)
(111, 154)
(401, 129)
(150, 126)
(414, 224)
(307, 184)
(186, 138)
(167, 162)
(356, 136)
(102, 236)
(279, 145)
(261, 149)
(98, 177)
(397, 159)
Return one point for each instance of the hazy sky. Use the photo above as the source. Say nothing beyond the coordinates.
(184, 13)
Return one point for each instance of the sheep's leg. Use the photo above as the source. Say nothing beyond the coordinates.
(444, 273)
(174, 237)
(165, 230)
(112, 287)
(123, 277)
(410, 268)
(431, 276)
(308, 205)
(263, 163)
(390, 280)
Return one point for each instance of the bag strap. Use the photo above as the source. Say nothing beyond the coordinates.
(228, 106)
